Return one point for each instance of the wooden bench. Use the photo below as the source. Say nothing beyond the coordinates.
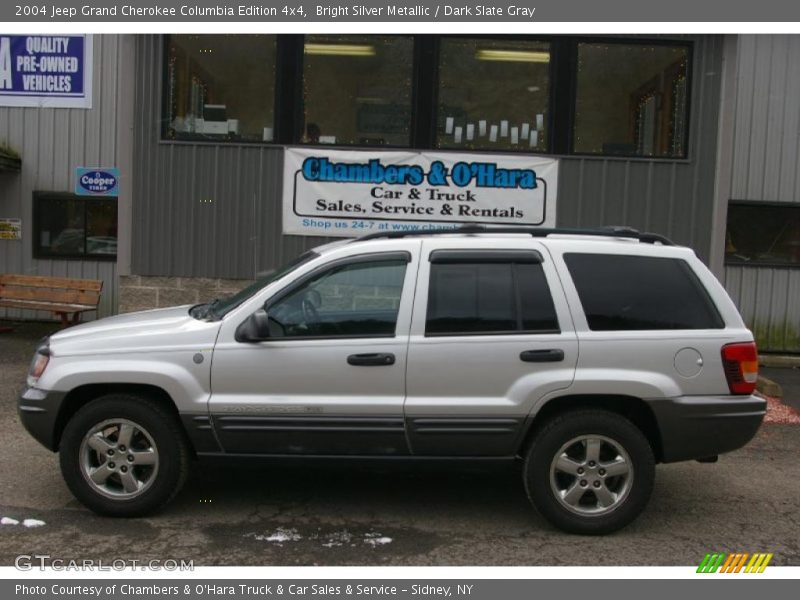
(60, 295)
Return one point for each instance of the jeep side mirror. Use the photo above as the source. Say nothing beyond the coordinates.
(254, 328)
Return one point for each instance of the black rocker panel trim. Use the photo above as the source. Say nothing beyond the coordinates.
(301, 435)
(307, 435)
(464, 436)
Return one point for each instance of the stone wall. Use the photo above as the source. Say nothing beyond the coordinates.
(137, 292)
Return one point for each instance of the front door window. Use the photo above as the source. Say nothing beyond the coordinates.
(351, 300)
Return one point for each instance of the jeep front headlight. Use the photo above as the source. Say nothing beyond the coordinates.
(39, 363)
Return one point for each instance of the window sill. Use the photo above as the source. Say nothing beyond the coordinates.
(276, 145)
(766, 265)
(617, 158)
(80, 257)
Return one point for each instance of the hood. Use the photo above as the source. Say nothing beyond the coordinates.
(152, 330)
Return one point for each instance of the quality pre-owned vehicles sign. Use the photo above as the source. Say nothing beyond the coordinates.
(349, 192)
(53, 71)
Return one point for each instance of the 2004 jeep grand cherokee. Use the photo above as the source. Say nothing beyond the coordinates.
(591, 355)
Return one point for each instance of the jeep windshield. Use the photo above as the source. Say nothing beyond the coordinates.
(218, 308)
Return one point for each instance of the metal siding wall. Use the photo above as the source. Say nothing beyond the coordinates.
(239, 233)
(202, 210)
(767, 150)
(766, 161)
(52, 142)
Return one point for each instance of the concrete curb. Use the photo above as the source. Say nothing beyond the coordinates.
(769, 387)
(779, 360)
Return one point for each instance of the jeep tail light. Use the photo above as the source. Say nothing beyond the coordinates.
(740, 362)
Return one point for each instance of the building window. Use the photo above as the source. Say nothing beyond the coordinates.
(220, 88)
(69, 226)
(357, 89)
(763, 234)
(552, 94)
(493, 94)
(632, 293)
(631, 99)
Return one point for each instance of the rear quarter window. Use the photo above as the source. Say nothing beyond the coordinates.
(625, 293)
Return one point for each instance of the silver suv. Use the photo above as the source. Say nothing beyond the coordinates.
(591, 355)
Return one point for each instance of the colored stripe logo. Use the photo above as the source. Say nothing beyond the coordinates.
(737, 562)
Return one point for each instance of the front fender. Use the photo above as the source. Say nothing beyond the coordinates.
(186, 381)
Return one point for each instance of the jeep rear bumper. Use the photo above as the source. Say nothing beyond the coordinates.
(693, 427)
(38, 411)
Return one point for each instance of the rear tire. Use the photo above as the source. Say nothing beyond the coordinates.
(589, 471)
(124, 455)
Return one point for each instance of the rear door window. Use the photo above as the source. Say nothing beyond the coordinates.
(623, 293)
(473, 294)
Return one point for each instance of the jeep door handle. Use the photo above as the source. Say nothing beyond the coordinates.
(551, 355)
(370, 360)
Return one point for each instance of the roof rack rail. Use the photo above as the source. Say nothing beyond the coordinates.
(610, 231)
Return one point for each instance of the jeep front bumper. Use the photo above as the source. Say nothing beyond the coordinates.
(38, 411)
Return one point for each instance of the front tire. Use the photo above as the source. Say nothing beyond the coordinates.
(589, 471)
(124, 455)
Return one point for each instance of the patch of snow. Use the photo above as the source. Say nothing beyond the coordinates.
(338, 538)
(8, 521)
(280, 536)
(376, 539)
(334, 539)
(33, 523)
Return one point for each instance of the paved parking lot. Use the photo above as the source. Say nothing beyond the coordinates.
(789, 380)
(339, 515)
